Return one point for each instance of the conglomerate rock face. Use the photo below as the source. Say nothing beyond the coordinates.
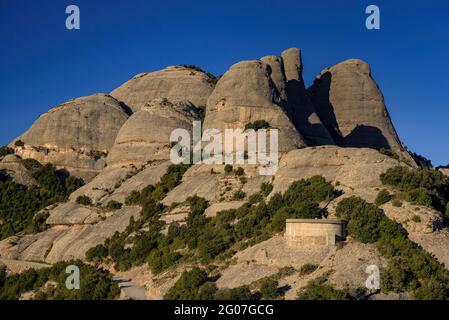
(351, 106)
(122, 144)
(146, 135)
(298, 102)
(13, 167)
(76, 134)
(246, 93)
(173, 83)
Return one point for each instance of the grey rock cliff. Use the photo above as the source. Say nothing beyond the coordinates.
(173, 83)
(75, 134)
(351, 106)
(246, 93)
(146, 135)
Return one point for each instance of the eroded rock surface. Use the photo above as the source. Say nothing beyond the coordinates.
(245, 94)
(173, 83)
(146, 135)
(75, 135)
(351, 106)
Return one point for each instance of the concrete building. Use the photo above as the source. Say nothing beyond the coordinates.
(324, 232)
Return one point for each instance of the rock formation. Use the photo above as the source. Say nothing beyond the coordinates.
(298, 103)
(146, 135)
(75, 135)
(173, 83)
(13, 166)
(351, 106)
(332, 129)
(246, 93)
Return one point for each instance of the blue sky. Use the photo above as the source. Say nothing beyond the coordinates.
(43, 64)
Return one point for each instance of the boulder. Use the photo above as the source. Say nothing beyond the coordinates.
(173, 83)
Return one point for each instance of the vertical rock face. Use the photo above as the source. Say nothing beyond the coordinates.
(299, 106)
(246, 93)
(75, 134)
(146, 135)
(173, 83)
(351, 106)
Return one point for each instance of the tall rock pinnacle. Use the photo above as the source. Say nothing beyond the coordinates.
(351, 106)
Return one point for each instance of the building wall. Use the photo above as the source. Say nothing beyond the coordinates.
(302, 232)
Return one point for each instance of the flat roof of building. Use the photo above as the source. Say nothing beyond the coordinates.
(319, 221)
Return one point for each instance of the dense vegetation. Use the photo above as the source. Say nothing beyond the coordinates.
(19, 204)
(318, 290)
(411, 269)
(206, 238)
(5, 150)
(195, 285)
(49, 283)
(425, 187)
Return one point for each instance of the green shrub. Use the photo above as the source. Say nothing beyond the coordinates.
(269, 289)
(397, 203)
(257, 125)
(161, 259)
(307, 269)
(5, 150)
(419, 196)
(239, 293)
(389, 152)
(96, 253)
(228, 169)
(114, 205)
(84, 200)
(238, 195)
(187, 287)
(97, 155)
(315, 290)
(19, 143)
(423, 186)
(255, 198)
(197, 205)
(416, 218)
(240, 171)
(382, 197)
(266, 188)
(363, 219)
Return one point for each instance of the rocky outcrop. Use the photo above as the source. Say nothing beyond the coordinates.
(66, 242)
(351, 106)
(357, 169)
(75, 135)
(298, 103)
(146, 135)
(13, 166)
(173, 83)
(246, 93)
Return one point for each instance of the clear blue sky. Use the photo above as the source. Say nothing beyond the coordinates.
(42, 64)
